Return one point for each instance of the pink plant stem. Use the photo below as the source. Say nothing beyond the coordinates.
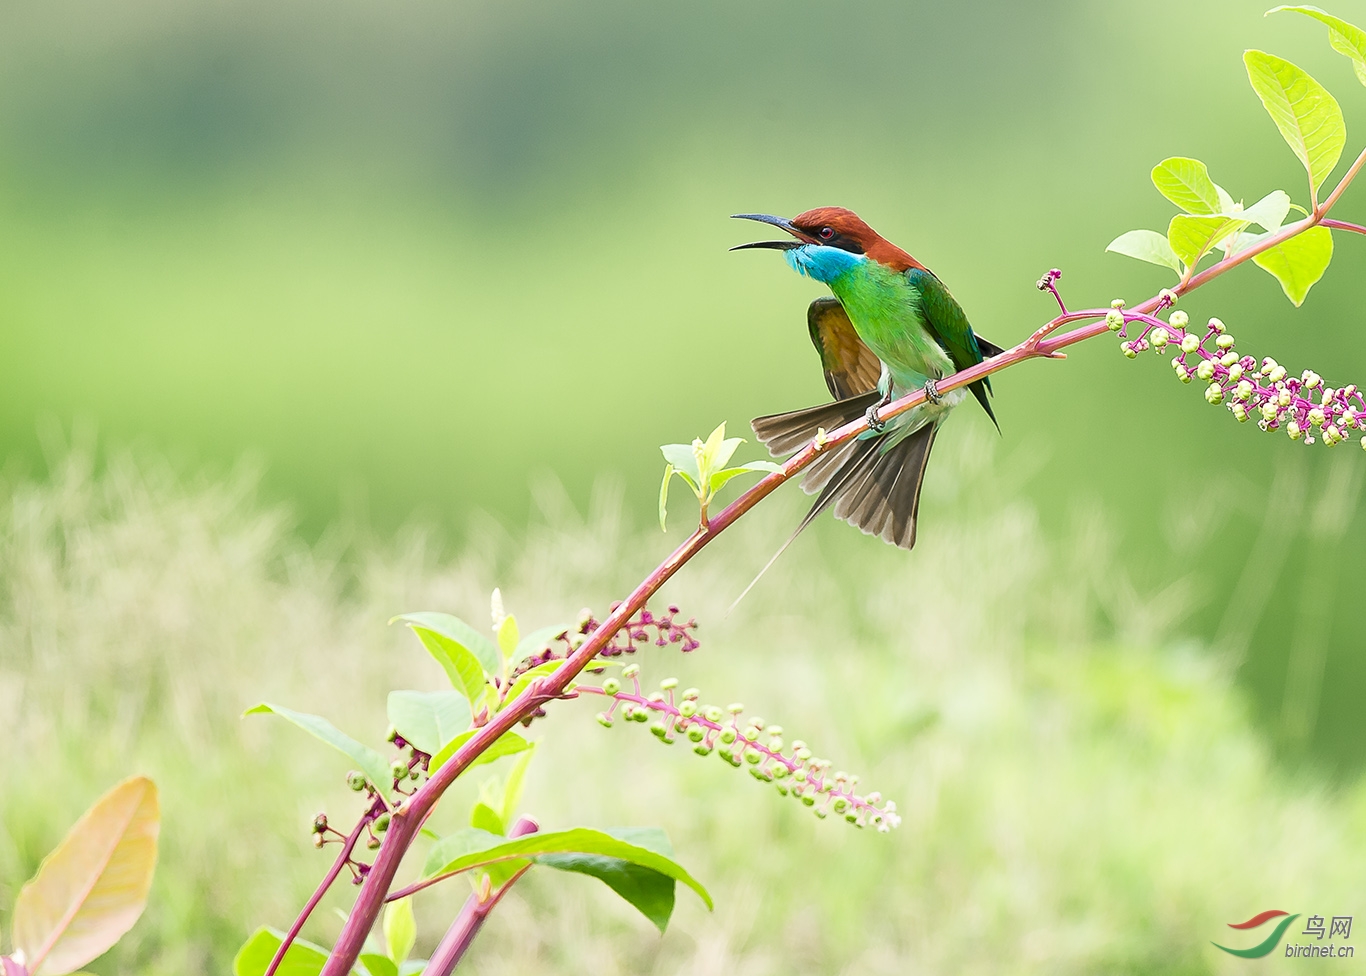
(343, 856)
(471, 919)
(1043, 344)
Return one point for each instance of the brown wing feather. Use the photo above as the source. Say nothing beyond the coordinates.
(850, 367)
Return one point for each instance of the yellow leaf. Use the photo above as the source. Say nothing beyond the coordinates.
(93, 886)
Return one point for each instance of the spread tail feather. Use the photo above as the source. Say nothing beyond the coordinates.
(873, 487)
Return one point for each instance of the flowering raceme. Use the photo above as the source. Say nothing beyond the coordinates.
(1302, 406)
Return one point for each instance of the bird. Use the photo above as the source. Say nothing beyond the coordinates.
(890, 328)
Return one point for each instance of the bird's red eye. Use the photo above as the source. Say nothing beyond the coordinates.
(826, 233)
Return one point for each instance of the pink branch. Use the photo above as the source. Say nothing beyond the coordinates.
(408, 818)
(342, 857)
(472, 916)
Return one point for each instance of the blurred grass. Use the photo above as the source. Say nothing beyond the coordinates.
(1081, 793)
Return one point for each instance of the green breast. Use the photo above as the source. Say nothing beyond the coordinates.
(884, 307)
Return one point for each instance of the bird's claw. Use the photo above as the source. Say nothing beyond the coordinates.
(932, 393)
(875, 425)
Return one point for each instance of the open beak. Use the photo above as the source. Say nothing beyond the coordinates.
(781, 222)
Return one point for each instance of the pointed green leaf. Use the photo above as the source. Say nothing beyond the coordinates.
(579, 840)
(459, 845)
(1269, 212)
(1307, 115)
(484, 817)
(1146, 245)
(1225, 201)
(400, 930)
(1299, 262)
(377, 965)
(684, 461)
(648, 890)
(1186, 183)
(302, 959)
(429, 719)
(371, 763)
(664, 497)
(465, 672)
(721, 477)
(509, 743)
(508, 636)
(512, 789)
(1192, 237)
(93, 886)
(457, 631)
(1345, 38)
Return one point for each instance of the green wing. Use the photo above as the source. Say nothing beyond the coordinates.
(850, 367)
(946, 320)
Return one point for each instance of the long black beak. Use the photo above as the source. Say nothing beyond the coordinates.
(781, 222)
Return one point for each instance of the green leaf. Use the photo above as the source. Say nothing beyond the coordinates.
(93, 886)
(457, 631)
(484, 817)
(1186, 183)
(512, 789)
(371, 763)
(400, 930)
(537, 641)
(461, 844)
(579, 840)
(1307, 115)
(429, 719)
(509, 743)
(1269, 212)
(526, 678)
(684, 461)
(721, 477)
(648, 890)
(1146, 245)
(302, 959)
(508, 636)
(377, 965)
(1299, 262)
(465, 672)
(664, 497)
(1345, 38)
(1191, 237)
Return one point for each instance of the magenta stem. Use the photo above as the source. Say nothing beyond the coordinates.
(342, 857)
(408, 818)
(472, 915)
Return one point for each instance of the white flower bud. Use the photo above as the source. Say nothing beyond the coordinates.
(1224, 341)
(1244, 390)
(1129, 351)
(1214, 393)
(1331, 435)
(1117, 303)
(1179, 319)
(1349, 417)
(1283, 398)
(1182, 373)
(1363, 442)
(1159, 337)
(1293, 429)
(1311, 379)
(1216, 325)
(1316, 417)
(1235, 372)
(1167, 295)
(1205, 370)
(1228, 359)
(1327, 397)
(1276, 374)
(1268, 412)
(1114, 320)
(1190, 342)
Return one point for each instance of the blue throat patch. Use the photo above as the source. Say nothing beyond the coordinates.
(825, 264)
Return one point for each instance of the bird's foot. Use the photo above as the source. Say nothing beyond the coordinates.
(932, 393)
(875, 425)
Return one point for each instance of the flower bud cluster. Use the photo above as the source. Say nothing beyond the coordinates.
(743, 742)
(1304, 407)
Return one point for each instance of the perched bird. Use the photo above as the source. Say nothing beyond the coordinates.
(891, 328)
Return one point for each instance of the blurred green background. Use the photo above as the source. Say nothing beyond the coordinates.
(417, 259)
